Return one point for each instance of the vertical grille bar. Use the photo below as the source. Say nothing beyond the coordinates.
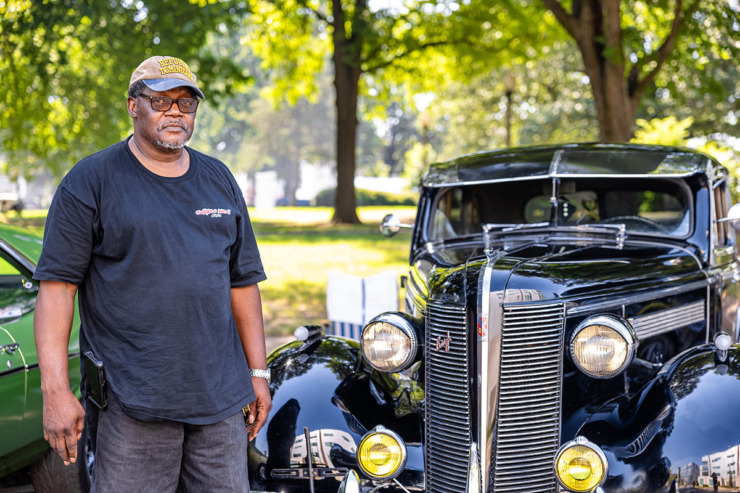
(530, 387)
(448, 420)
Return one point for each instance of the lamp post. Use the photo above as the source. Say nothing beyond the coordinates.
(509, 85)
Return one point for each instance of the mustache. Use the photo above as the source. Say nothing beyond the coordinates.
(178, 123)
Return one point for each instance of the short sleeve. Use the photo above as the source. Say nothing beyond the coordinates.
(245, 263)
(68, 240)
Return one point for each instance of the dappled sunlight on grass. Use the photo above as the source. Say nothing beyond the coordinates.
(286, 306)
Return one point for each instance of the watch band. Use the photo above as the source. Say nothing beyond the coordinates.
(261, 374)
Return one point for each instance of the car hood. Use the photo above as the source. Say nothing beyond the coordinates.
(554, 272)
(23, 240)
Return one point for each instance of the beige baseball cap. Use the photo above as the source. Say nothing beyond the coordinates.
(162, 73)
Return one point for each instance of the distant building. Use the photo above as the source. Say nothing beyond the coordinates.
(688, 473)
(726, 464)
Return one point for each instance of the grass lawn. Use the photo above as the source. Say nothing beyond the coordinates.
(298, 250)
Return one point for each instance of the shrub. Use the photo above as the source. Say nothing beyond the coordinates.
(325, 198)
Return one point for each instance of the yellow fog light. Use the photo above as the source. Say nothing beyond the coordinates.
(581, 465)
(603, 346)
(381, 454)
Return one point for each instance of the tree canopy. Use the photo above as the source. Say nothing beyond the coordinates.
(66, 65)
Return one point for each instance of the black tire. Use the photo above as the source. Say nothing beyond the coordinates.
(50, 475)
(85, 461)
(657, 350)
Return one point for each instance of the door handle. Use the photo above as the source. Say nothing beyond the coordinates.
(10, 348)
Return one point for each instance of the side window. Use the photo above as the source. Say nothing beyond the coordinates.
(723, 232)
(17, 291)
(456, 214)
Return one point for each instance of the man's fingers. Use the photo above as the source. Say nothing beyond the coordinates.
(71, 443)
(62, 450)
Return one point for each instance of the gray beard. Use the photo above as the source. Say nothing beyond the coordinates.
(174, 146)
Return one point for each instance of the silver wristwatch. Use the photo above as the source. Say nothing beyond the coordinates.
(261, 374)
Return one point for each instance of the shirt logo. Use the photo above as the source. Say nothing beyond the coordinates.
(213, 212)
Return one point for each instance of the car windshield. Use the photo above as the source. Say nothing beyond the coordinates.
(646, 206)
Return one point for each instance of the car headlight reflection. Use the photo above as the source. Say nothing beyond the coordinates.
(580, 465)
(389, 342)
(603, 346)
(381, 454)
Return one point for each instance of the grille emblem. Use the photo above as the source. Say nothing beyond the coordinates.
(443, 342)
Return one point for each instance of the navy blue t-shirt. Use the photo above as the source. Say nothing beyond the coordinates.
(155, 259)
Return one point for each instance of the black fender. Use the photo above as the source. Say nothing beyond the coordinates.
(322, 388)
(677, 430)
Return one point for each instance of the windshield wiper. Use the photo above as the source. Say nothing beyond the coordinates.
(496, 230)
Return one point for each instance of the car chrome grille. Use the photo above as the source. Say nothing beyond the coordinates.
(447, 428)
(663, 321)
(528, 419)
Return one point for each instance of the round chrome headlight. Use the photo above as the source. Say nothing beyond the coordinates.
(381, 454)
(389, 342)
(603, 346)
(581, 465)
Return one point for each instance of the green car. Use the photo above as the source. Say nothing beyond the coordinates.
(22, 441)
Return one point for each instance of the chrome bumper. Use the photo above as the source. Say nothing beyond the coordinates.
(350, 483)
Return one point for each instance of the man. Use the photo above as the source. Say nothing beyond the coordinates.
(715, 482)
(156, 239)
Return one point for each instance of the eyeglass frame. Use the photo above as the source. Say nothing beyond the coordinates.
(172, 101)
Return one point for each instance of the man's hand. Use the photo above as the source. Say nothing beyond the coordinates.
(260, 408)
(64, 419)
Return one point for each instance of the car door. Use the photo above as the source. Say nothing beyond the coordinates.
(17, 301)
(12, 393)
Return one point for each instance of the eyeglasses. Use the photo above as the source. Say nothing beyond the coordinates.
(163, 103)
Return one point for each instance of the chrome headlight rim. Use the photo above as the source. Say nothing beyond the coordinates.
(584, 442)
(402, 322)
(381, 430)
(621, 327)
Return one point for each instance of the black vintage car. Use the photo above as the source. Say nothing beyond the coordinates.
(569, 326)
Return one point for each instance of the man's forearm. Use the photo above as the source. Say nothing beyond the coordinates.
(52, 326)
(246, 304)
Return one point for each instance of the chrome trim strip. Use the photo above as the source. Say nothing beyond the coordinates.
(556, 158)
(709, 302)
(12, 371)
(640, 297)
(483, 368)
(545, 177)
(667, 320)
(473, 485)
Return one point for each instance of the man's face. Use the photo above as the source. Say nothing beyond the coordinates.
(167, 131)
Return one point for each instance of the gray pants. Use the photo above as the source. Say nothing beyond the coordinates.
(166, 456)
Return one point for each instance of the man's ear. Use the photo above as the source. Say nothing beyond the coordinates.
(132, 107)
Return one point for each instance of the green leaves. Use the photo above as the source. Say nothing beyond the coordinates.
(66, 66)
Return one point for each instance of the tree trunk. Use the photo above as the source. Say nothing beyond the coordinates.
(292, 179)
(347, 73)
(595, 27)
(599, 38)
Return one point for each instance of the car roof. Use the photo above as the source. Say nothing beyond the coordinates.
(22, 240)
(574, 160)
